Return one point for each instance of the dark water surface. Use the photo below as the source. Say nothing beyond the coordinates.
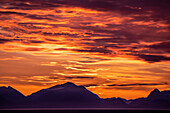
(85, 110)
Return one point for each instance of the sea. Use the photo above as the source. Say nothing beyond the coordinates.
(85, 110)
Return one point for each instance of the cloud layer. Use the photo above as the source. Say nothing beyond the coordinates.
(89, 42)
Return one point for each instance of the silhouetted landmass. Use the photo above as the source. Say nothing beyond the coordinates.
(155, 99)
(10, 97)
(69, 95)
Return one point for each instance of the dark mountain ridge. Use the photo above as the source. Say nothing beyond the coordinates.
(156, 98)
(10, 97)
(69, 95)
(65, 95)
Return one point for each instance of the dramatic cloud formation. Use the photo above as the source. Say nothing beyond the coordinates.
(93, 43)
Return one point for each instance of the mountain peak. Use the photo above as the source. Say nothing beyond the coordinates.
(9, 87)
(156, 90)
(67, 84)
(154, 93)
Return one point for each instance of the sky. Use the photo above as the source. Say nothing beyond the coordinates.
(114, 48)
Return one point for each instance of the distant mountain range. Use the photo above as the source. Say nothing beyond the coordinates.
(69, 95)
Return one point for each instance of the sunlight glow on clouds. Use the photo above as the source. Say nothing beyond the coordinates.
(94, 43)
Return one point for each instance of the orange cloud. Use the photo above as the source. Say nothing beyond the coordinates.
(91, 43)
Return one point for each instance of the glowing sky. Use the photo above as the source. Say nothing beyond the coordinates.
(115, 48)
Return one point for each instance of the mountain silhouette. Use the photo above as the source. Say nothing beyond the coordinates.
(10, 97)
(156, 98)
(69, 95)
(154, 94)
(65, 95)
(114, 102)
